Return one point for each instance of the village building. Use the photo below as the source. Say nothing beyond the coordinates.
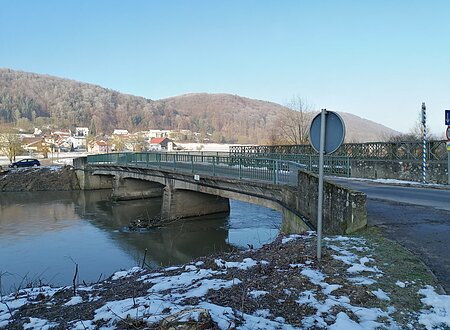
(120, 132)
(32, 144)
(161, 143)
(76, 142)
(157, 133)
(99, 146)
(81, 131)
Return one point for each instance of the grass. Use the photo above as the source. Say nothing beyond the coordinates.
(398, 264)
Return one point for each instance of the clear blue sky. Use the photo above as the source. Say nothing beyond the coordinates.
(377, 59)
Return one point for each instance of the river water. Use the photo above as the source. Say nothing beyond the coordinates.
(44, 234)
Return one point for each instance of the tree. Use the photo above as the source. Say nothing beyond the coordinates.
(415, 134)
(292, 125)
(10, 145)
(118, 143)
(138, 142)
(417, 131)
(44, 148)
(25, 124)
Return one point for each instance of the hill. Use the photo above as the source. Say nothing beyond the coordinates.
(29, 99)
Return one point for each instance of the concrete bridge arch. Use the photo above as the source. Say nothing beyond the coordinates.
(187, 195)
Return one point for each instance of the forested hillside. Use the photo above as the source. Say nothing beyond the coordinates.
(29, 100)
(44, 99)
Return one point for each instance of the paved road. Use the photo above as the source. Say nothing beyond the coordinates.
(416, 217)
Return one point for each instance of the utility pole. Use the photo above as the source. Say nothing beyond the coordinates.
(424, 147)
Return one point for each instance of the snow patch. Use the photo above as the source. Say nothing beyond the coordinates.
(245, 264)
(400, 284)
(344, 322)
(39, 324)
(74, 301)
(125, 273)
(380, 294)
(438, 317)
(255, 294)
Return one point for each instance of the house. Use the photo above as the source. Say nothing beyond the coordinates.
(32, 144)
(77, 142)
(100, 146)
(161, 143)
(81, 131)
(120, 132)
(37, 132)
(63, 133)
(157, 133)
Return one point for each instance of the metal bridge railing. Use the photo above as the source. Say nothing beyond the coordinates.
(333, 165)
(398, 151)
(276, 171)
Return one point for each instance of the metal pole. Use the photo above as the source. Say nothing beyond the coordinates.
(424, 151)
(240, 168)
(320, 191)
(448, 167)
(275, 171)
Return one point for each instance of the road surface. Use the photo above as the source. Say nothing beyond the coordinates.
(415, 216)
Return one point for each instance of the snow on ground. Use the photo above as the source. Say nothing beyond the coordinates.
(396, 182)
(439, 314)
(183, 290)
(10, 304)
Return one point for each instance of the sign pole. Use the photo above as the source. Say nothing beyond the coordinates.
(424, 147)
(448, 164)
(320, 190)
(447, 133)
(326, 134)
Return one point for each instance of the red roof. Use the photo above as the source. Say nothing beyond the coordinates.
(157, 140)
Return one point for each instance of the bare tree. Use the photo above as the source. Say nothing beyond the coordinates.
(415, 134)
(417, 130)
(138, 142)
(293, 124)
(10, 145)
(44, 148)
(118, 143)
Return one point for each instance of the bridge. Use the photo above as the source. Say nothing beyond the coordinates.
(200, 184)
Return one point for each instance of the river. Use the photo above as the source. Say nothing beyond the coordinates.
(43, 235)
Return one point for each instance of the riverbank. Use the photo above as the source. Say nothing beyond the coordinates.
(43, 178)
(362, 282)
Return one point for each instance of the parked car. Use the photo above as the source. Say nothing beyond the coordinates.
(26, 163)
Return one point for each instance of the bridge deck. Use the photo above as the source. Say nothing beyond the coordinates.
(258, 169)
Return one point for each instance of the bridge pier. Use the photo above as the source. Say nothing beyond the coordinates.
(178, 203)
(129, 188)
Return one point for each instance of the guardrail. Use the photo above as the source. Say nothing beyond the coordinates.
(333, 165)
(256, 169)
(398, 151)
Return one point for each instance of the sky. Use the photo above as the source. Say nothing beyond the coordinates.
(376, 59)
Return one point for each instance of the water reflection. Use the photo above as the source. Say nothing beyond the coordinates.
(21, 214)
(176, 243)
(42, 235)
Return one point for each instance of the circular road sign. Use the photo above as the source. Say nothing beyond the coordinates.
(334, 132)
(448, 133)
